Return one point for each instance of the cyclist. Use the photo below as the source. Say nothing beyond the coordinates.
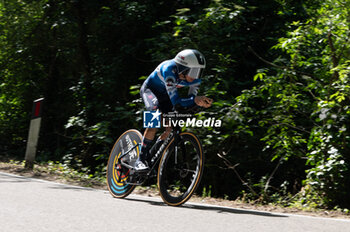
(159, 92)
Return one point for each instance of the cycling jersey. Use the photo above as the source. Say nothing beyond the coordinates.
(163, 83)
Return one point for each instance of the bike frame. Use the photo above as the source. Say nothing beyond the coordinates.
(174, 134)
(171, 163)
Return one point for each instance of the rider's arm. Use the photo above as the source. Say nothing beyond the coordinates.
(170, 84)
(193, 90)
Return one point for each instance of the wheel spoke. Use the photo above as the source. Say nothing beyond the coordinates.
(187, 170)
(177, 182)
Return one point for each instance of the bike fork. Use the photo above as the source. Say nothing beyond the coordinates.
(175, 154)
(176, 140)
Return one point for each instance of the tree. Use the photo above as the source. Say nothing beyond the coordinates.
(303, 106)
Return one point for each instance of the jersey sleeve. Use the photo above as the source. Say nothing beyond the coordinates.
(170, 84)
(170, 80)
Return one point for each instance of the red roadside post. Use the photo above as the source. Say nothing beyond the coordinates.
(33, 134)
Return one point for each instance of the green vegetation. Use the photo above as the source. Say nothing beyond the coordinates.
(278, 71)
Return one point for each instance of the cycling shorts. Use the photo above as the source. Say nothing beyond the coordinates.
(155, 100)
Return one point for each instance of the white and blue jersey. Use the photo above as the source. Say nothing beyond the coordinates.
(160, 89)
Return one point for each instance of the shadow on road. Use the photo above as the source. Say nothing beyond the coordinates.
(218, 209)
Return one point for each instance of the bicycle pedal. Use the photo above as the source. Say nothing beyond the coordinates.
(138, 182)
(136, 179)
(134, 183)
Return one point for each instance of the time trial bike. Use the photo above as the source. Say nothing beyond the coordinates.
(178, 164)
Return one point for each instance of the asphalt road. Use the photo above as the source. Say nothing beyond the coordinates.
(28, 204)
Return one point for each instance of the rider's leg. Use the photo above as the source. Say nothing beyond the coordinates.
(151, 103)
(148, 137)
(165, 133)
(159, 142)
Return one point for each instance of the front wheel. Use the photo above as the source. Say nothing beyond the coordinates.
(180, 169)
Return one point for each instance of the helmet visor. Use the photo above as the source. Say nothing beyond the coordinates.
(195, 73)
(182, 69)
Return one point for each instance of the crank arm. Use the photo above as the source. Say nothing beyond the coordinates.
(126, 165)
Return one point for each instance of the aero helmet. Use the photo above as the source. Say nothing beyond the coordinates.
(190, 62)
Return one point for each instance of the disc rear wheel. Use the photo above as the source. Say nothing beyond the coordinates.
(117, 174)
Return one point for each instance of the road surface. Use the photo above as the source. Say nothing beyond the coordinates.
(28, 204)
